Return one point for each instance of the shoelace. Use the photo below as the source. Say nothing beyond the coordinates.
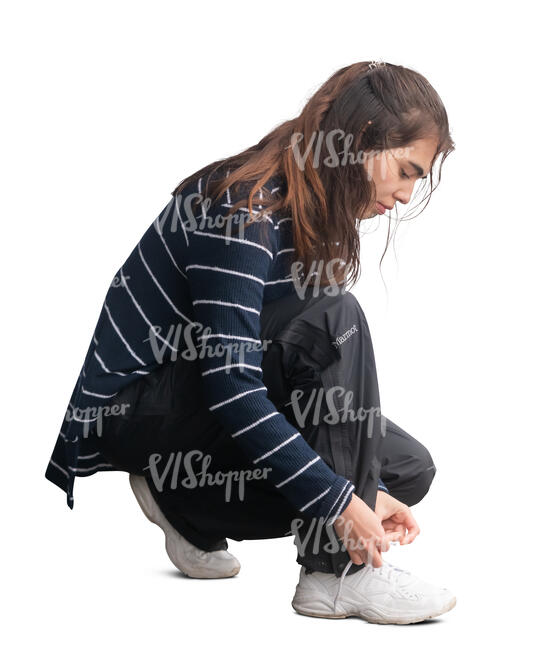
(390, 571)
(345, 571)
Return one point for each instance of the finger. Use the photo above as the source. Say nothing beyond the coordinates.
(413, 532)
(356, 557)
(403, 530)
(384, 542)
(412, 535)
(391, 526)
(373, 555)
(394, 536)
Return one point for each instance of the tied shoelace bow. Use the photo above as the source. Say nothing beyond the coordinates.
(388, 570)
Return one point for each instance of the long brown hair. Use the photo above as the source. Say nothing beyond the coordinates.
(382, 106)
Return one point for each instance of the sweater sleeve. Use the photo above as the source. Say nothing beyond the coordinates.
(382, 486)
(226, 275)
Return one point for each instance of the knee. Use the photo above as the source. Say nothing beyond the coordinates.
(423, 476)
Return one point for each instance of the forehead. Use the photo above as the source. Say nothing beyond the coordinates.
(418, 152)
(424, 149)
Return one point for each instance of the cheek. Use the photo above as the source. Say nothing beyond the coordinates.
(383, 187)
(381, 172)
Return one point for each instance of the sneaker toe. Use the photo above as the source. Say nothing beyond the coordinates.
(438, 602)
(220, 564)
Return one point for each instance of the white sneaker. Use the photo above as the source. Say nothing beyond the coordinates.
(384, 595)
(189, 559)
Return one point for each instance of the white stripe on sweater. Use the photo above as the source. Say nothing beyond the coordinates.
(234, 239)
(348, 492)
(238, 396)
(277, 447)
(229, 336)
(59, 468)
(219, 269)
(181, 221)
(118, 372)
(226, 304)
(331, 509)
(156, 227)
(89, 469)
(117, 330)
(310, 503)
(176, 310)
(232, 365)
(202, 203)
(88, 392)
(311, 462)
(228, 195)
(229, 204)
(138, 307)
(279, 281)
(254, 424)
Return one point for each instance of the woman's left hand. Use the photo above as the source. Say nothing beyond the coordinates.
(396, 517)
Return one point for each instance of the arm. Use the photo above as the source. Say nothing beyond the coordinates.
(226, 277)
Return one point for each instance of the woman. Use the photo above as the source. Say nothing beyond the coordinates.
(232, 375)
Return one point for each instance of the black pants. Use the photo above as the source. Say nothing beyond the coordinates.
(320, 372)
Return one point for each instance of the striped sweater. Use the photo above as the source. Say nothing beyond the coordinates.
(190, 282)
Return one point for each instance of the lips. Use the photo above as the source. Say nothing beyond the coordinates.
(380, 208)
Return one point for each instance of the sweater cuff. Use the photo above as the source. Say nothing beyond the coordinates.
(336, 500)
(381, 486)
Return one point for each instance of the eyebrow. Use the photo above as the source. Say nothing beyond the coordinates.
(418, 169)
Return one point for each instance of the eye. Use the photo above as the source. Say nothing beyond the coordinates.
(403, 175)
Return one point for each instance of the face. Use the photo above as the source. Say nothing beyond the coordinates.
(395, 172)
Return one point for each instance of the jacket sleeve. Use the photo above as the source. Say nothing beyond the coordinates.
(227, 275)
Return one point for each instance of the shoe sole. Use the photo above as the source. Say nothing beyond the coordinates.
(156, 516)
(419, 619)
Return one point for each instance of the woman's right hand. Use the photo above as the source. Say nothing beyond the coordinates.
(362, 534)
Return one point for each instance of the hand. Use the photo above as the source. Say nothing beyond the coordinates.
(396, 517)
(362, 534)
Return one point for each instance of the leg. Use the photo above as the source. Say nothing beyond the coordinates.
(407, 467)
(326, 354)
(169, 422)
(168, 441)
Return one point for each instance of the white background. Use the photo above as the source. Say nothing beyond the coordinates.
(106, 107)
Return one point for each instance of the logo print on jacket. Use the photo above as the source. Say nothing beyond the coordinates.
(343, 337)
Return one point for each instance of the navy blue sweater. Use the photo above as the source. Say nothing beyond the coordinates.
(190, 276)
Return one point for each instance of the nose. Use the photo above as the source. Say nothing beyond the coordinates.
(404, 193)
(403, 196)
